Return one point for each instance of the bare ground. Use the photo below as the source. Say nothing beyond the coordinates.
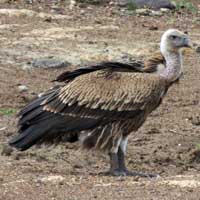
(168, 143)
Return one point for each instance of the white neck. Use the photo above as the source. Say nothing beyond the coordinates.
(173, 68)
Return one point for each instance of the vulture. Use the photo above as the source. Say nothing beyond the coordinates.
(101, 105)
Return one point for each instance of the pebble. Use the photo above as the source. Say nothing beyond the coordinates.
(82, 12)
(22, 88)
(49, 63)
(198, 49)
(3, 128)
(156, 13)
(196, 120)
(6, 150)
(153, 4)
(111, 3)
(164, 10)
(52, 179)
(153, 28)
(142, 11)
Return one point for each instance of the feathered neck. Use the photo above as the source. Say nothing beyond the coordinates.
(173, 68)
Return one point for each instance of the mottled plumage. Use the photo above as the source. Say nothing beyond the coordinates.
(101, 105)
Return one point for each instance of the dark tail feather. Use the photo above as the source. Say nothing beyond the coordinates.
(29, 137)
(38, 126)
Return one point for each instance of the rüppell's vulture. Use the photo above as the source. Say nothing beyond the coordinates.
(101, 105)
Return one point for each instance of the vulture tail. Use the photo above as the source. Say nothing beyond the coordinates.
(29, 136)
(37, 125)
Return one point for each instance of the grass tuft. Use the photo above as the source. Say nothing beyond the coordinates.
(8, 111)
(185, 4)
(198, 146)
(131, 5)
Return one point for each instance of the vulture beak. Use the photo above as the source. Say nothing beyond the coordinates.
(188, 43)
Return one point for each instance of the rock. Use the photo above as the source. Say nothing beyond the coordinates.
(164, 10)
(142, 11)
(72, 4)
(31, 13)
(153, 28)
(198, 49)
(156, 13)
(82, 12)
(6, 150)
(51, 179)
(153, 4)
(111, 3)
(49, 63)
(196, 120)
(22, 88)
(29, 1)
(3, 128)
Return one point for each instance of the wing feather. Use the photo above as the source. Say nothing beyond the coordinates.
(121, 92)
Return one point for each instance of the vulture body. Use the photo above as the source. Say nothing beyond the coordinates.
(102, 104)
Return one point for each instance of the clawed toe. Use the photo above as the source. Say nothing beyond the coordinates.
(143, 175)
(118, 172)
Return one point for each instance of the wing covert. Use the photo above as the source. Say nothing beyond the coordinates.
(100, 94)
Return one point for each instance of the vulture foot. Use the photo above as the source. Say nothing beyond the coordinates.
(139, 174)
(119, 172)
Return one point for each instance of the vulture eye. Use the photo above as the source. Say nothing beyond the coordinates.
(173, 37)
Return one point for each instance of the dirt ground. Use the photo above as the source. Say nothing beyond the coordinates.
(168, 143)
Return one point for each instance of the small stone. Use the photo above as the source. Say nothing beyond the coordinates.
(196, 120)
(29, 1)
(153, 4)
(22, 88)
(3, 128)
(164, 10)
(156, 13)
(52, 179)
(72, 4)
(16, 156)
(198, 49)
(153, 28)
(6, 150)
(49, 63)
(82, 12)
(48, 19)
(142, 11)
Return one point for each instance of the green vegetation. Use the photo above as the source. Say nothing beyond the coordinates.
(8, 111)
(185, 4)
(131, 5)
(198, 146)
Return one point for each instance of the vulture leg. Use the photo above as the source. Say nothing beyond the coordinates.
(114, 166)
(118, 166)
(124, 171)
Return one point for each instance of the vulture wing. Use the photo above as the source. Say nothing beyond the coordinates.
(89, 101)
(106, 92)
(150, 65)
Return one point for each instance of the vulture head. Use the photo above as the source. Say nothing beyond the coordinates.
(173, 40)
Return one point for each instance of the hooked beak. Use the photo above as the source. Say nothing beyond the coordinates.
(188, 43)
